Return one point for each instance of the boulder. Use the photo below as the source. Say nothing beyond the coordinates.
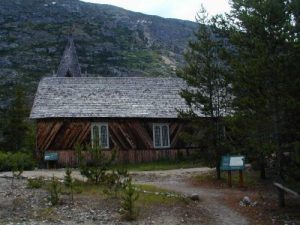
(194, 197)
(246, 201)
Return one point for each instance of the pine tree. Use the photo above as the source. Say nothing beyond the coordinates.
(266, 82)
(16, 124)
(129, 198)
(208, 89)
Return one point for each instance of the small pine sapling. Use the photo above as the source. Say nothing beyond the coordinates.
(54, 191)
(128, 209)
(69, 182)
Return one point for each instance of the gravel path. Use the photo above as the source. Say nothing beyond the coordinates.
(222, 214)
(60, 173)
(174, 180)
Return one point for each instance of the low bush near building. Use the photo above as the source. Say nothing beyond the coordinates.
(95, 168)
(16, 161)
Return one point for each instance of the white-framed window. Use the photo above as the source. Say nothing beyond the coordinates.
(100, 135)
(161, 136)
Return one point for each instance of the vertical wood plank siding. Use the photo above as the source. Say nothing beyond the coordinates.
(132, 137)
(69, 158)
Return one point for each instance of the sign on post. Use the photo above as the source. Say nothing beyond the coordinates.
(233, 163)
(51, 156)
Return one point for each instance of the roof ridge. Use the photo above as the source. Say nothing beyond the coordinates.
(105, 77)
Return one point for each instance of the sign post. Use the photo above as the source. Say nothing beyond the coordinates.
(229, 179)
(233, 163)
(50, 157)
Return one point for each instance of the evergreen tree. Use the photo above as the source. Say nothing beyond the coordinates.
(208, 89)
(16, 125)
(266, 82)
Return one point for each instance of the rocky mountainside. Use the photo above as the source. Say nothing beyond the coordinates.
(110, 41)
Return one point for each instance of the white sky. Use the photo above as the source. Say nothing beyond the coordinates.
(180, 9)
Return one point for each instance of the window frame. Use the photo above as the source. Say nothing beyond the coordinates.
(160, 125)
(99, 125)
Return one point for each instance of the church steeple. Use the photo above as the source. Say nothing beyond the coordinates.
(69, 66)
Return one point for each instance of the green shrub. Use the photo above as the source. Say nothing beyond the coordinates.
(4, 161)
(95, 169)
(18, 161)
(35, 183)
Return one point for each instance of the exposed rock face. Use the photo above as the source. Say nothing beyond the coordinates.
(110, 41)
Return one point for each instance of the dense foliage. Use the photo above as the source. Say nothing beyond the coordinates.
(262, 38)
(16, 161)
(17, 132)
(266, 83)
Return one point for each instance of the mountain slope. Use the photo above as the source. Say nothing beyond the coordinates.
(110, 41)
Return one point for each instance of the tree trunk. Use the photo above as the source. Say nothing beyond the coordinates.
(218, 170)
(262, 170)
(262, 166)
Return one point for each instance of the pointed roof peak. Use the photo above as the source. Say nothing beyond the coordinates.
(69, 66)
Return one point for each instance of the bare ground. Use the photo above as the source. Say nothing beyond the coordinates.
(26, 206)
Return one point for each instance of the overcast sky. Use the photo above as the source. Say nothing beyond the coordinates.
(181, 9)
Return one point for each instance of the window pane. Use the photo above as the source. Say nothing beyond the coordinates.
(157, 136)
(104, 136)
(95, 136)
(165, 136)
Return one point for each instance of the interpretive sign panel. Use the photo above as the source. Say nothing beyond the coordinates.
(233, 163)
(51, 156)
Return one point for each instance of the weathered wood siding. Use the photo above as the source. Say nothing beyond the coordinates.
(132, 137)
(69, 158)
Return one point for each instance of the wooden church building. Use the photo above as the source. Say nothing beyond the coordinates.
(136, 115)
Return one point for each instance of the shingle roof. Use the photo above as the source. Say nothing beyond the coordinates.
(138, 97)
(69, 65)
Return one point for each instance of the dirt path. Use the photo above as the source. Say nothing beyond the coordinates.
(174, 180)
(210, 199)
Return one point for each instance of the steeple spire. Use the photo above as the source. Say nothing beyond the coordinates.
(69, 66)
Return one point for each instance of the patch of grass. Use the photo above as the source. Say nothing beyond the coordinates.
(251, 179)
(80, 187)
(86, 188)
(151, 188)
(155, 195)
(35, 183)
(149, 195)
(160, 165)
